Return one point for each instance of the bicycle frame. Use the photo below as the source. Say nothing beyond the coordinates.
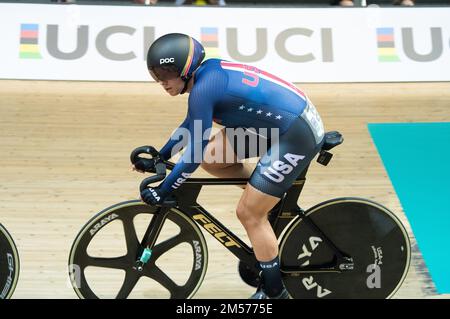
(279, 218)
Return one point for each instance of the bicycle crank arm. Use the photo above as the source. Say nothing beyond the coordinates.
(296, 273)
(346, 265)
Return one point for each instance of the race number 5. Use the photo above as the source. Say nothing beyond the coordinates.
(251, 77)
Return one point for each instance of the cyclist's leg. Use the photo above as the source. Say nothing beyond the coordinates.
(252, 212)
(220, 159)
(273, 176)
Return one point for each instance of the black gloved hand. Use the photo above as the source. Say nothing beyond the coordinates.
(152, 196)
(145, 165)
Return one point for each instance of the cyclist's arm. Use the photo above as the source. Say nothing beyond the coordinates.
(199, 127)
(206, 93)
(178, 139)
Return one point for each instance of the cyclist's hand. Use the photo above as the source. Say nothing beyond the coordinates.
(145, 165)
(152, 196)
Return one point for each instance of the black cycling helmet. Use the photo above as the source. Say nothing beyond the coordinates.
(174, 55)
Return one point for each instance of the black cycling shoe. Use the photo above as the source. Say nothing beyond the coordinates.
(260, 294)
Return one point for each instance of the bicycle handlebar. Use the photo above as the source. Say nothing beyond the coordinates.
(160, 164)
(150, 150)
(149, 180)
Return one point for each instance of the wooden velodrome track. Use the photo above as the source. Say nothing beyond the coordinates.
(65, 156)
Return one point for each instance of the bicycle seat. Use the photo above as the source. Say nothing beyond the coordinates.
(332, 139)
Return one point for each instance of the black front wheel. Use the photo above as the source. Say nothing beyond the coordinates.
(367, 232)
(9, 264)
(103, 259)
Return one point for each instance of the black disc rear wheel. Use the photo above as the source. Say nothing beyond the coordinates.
(9, 264)
(102, 262)
(368, 232)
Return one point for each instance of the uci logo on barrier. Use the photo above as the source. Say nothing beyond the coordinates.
(31, 49)
(387, 45)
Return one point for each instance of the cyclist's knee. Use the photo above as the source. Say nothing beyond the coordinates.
(247, 215)
(242, 214)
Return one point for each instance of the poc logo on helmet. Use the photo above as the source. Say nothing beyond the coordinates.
(166, 60)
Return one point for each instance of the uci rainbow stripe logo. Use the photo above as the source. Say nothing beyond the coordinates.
(386, 45)
(210, 41)
(29, 38)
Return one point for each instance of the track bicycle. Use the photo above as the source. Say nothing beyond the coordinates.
(341, 248)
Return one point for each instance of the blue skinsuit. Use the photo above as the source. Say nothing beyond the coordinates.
(235, 96)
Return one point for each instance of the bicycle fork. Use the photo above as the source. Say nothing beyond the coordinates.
(150, 237)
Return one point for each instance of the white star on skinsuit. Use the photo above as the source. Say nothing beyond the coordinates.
(269, 114)
(259, 112)
(249, 110)
(241, 107)
(278, 117)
